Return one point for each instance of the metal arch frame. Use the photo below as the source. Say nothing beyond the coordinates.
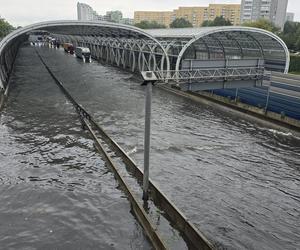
(229, 36)
(262, 52)
(240, 29)
(118, 47)
(152, 57)
(167, 48)
(207, 47)
(115, 49)
(214, 37)
(142, 60)
(108, 28)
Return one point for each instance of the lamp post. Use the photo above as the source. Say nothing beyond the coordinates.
(149, 79)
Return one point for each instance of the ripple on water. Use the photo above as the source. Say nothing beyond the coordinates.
(56, 192)
(236, 180)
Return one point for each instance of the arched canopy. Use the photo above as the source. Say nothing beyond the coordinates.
(163, 49)
(89, 32)
(229, 42)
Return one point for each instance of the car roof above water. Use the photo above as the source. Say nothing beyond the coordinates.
(83, 49)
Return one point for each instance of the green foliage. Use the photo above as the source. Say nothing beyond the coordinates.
(263, 24)
(5, 28)
(291, 35)
(291, 27)
(180, 23)
(290, 40)
(218, 21)
(297, 44)
(207, 23)
(295, 64)
(150, 25)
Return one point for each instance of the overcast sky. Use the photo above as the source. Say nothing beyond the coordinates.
(24, 12)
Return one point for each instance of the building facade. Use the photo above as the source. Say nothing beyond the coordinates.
(272, 10)
(195, 15)
(86, 13)
(161, 17)
(290, 17)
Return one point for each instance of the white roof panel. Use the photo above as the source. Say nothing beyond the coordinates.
(197, 32)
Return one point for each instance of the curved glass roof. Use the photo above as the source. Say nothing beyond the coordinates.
(176, 45)
(68, 28)
(228, 42)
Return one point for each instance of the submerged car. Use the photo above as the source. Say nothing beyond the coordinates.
(83, 53)
(69, 48)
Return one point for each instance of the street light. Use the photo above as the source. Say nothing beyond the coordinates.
(149, 79)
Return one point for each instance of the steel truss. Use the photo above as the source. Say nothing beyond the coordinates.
(120, 45)
(223, 43)
(162, 51)
(133, 54)
(212, 74)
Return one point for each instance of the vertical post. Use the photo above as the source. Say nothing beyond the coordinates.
(1, 97)
(268, 98)
(190, 86)
(147, 139)
(236, 94)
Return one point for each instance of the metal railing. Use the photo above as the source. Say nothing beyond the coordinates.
(212, 74)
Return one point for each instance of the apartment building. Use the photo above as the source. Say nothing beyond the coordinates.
(272, 10)
(290, 17)
(161, 17)
(87, 13)
(195, 15)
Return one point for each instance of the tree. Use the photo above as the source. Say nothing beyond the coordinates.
(180, 23)
(218, 21)
(297, 44)
(207, 23)
(263, 24)
(150, 25)
(290, 40)
(5, 27)
(291, 27)
(291, 35)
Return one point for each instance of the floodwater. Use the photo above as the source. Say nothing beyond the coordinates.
(55, 190)
(237, 181)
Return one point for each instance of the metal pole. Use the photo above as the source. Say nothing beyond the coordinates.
(147, 139)
(268, 98)
(1, 98)
(236, 94)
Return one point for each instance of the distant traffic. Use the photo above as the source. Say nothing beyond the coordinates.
(41, 38)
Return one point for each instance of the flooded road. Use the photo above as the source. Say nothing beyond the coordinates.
(237, 181)
(56, 192)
